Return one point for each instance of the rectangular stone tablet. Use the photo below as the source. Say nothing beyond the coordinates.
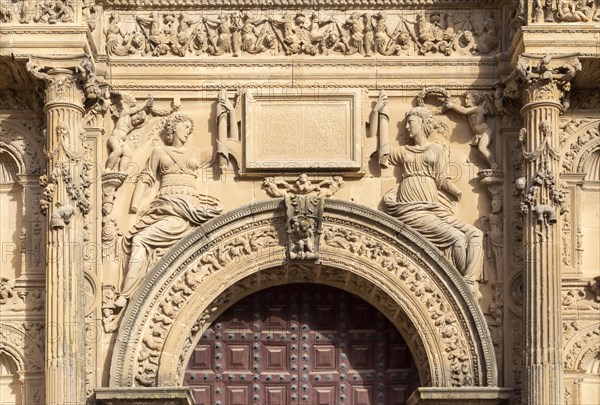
(301, 130)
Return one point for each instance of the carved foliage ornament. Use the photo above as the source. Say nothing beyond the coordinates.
(359, 33)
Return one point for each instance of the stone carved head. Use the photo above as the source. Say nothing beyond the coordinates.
(171, 125)
(427, 120)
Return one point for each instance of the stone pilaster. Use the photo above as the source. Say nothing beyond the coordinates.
(65, 204)
(545, 85)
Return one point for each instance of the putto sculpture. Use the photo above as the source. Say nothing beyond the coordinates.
(177, 207)
(476, 108)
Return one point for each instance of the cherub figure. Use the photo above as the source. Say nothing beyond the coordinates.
(475, 109)
(130, 117)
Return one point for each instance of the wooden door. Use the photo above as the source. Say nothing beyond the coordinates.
(301, 344)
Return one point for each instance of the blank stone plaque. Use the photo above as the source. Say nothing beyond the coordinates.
(303, 131)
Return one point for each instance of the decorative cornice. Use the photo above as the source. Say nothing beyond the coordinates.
(300, 4)
(393, 62)
(213, 87)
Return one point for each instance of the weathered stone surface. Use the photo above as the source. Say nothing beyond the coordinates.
(187, 154)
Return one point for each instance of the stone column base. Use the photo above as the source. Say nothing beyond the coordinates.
(144, 396)
(459, 396)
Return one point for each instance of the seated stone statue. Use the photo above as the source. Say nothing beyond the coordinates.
(418, 202)
(178, 205)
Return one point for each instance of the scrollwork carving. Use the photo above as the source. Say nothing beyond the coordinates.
(584, 343)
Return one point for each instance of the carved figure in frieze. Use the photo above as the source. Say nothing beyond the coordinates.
(430, 33)
(7, 290)
(90, 13)
(219, 41)
(118, 42)
(476, 108)
(158, 39)
(178, 206)
(571, 11)
(518, 16)
(356, 31)
(386, 42)
(487, 39)
(130, 115)
(288, 38)
(10, 101)
(253, 38)
(6, 12)
(53, 11)
(187, 31)
(419, 201)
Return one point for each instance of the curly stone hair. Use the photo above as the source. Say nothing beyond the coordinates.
(428, 121)
(172, 122)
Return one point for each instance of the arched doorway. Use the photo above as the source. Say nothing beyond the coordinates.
(301, 344)
(364, 252)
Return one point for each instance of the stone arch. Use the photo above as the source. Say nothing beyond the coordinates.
(27, 355)
(363, 251)
(21, 145)
(582, 348)
(579, 146)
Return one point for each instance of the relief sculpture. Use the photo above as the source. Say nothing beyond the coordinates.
(476, 110)
(178, 206)
(420, 202)
(304, 33)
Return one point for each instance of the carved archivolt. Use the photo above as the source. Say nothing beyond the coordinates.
(582, 347)
(21, 144)
(580, 140)
(362, 251)
(27, 354)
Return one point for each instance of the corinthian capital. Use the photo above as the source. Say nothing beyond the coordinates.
(70, 81)
(543, 79)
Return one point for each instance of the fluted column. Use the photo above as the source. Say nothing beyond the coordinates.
(545, 84)
(65, 203)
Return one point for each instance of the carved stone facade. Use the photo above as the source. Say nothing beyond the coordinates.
(439, 160)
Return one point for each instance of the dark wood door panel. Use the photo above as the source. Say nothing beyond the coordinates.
(301, 344)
